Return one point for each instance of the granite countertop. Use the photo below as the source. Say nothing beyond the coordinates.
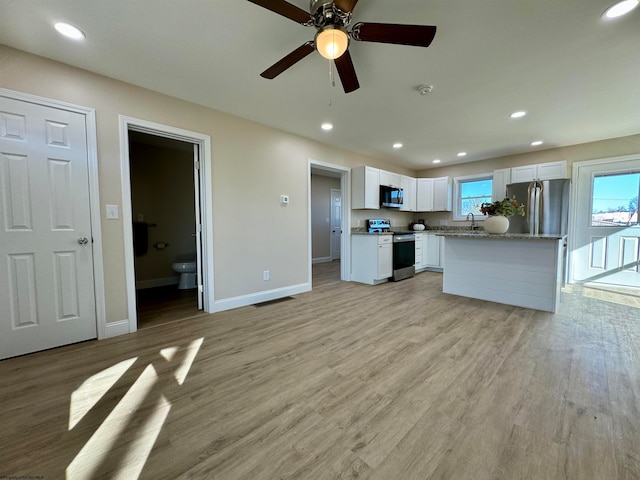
(506, 236)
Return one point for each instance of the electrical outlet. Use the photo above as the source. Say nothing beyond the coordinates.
(265, 275)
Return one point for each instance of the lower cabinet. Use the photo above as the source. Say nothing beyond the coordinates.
(432, 253)
(371, 258)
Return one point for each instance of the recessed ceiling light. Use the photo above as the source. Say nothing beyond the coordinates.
(436, 161)
(397, 145)
(462, 154)
(69, 31)
(326, 127)
(519, 114)
(536, 143)
(620, 8)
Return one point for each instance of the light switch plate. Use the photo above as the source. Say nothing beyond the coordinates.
(112, 212)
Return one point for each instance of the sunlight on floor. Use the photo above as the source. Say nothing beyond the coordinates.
(622, 296)
(124, 440)
(87, 395)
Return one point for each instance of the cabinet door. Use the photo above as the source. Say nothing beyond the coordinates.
(432, 251)
(552, 170)
(389, 179)
(385, 260)
(501, 178)
(442, 194)
(424, 195)
(365, 188)
(526, 173)
(408, 185)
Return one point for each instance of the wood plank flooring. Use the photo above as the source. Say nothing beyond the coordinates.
(349, 381)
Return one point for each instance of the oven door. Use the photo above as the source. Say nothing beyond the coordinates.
(404, 256)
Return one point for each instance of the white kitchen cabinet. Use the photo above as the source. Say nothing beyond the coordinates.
(501, 178)
(540, 171)
(424, 194)
(365, 188)
(371, 258)
(552, 170)
(433, 194)
(442, 194)
(419, 262)
(408, 185)
(433, 251)
(389, 179)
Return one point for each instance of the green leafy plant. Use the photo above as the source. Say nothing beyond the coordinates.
(507, 207)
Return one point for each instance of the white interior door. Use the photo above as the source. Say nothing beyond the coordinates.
(46, 263)
(336, 223)
(606, 243)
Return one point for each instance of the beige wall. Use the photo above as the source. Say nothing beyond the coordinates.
(252, 166)
(163, 192)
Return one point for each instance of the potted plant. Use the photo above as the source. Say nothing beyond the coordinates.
(499, 213)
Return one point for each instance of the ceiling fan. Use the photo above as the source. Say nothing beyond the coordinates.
(331, 19)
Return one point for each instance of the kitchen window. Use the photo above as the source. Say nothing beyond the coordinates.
(469, 192)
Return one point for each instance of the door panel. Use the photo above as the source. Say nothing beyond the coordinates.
(45, 266)
(336, 223)
(606, 247)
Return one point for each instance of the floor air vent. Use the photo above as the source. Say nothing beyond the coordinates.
(272, 302)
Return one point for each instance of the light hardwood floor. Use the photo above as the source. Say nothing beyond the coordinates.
(396, 381)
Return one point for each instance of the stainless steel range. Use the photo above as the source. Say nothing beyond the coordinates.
(404, 248)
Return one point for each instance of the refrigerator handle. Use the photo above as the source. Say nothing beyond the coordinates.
(533, 207)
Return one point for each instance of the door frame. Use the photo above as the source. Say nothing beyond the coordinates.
(94, 193)
(345, 241)
(206, 206)
(573, 209)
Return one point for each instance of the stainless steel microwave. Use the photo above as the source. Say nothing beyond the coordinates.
(391, 197)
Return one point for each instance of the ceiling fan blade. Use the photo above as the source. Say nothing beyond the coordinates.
(346, 5)
(417, 35)
(288, 61)
(285, 9)
(347, 72)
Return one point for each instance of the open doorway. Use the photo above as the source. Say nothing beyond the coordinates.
(164, 208)
(329, 224)
(178, 190)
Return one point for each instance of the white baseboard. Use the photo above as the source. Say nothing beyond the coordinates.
(157, 282)
(321, 260)
(113, 329)
(246, 300)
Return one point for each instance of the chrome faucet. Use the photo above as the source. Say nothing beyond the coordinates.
(473, 220)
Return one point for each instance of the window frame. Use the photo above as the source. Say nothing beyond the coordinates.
(457, 183)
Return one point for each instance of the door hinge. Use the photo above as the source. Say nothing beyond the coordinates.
(196, 165)
(201, 288)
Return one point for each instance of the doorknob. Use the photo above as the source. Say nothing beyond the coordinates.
(83, 240)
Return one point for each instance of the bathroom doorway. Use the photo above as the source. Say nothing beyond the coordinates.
(163, 205)
(166, 215)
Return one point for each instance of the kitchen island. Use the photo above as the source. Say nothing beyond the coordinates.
(515, 269)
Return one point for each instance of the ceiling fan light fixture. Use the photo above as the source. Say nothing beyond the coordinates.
(332, 42)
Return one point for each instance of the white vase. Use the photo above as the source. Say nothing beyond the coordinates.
(496, 224)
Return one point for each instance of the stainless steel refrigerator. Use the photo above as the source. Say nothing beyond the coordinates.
(546, 204)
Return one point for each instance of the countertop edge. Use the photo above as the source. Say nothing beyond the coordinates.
(505, 236)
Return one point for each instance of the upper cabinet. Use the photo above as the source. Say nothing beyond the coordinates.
(501, 178)
(365, 188)
(408, 185)
(433, 194)
(424, 194)
(541, 171)
(390, 179)
(442, 194)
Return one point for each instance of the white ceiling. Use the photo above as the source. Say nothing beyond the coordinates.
(574, 73)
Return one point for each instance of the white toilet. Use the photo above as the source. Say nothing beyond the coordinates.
(187, 271)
